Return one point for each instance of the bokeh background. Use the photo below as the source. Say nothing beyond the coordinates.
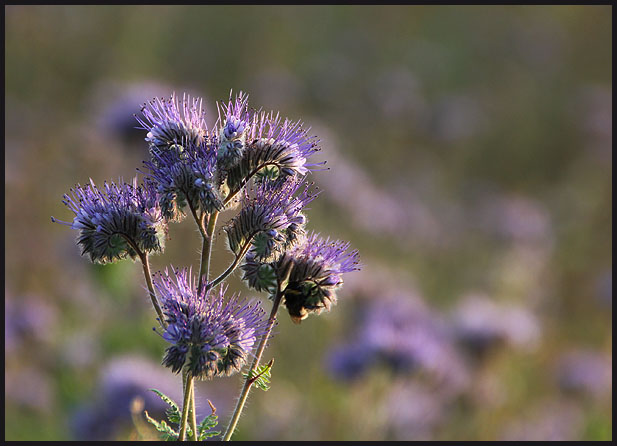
(470, 155)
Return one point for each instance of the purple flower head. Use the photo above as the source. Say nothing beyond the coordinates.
(123, 220)
(262, 144)
(269, 130)
(233, 123)
(186, 176)
(208, 335)
(317, 268)
(272, 209)
(173, 122)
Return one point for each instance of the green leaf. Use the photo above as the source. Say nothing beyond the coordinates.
(168, 433)
(263, 376)
(173, 413)
(208, 423)
(204, 427)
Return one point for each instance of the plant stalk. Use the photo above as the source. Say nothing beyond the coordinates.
(231, 267)
(206, 250)
(262, 346)
(188, 389)
(146, 267)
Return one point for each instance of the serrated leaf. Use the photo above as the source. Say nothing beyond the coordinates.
(208, 423)
(263, 376)
(173, 413)
(168, 433)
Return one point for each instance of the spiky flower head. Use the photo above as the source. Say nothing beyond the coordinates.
(209, 335)
(257, 142)
(122, 220)
(233, 123)
(270, 214)
(173, 122)
(186, 176)
(317, 268)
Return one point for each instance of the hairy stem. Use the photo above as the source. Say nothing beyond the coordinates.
(148, 276)
(146, 267)
(198, 220)
(188, 389)
(193, 419)
(206, 250)
(262, 346)
(245, 181)
(231, 267)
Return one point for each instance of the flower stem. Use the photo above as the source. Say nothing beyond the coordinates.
(188, 389)
(146, 267)
(262, 346)
(206, 250)
(193, 419)
(231, 267)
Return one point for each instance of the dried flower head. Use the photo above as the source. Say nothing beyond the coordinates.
(123, 220)
(317, 266)
(209, 335)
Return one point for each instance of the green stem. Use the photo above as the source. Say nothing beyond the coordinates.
(148, 276)
(231, 267)
(146, 267)
(198, 220)
(206, 250)
(188, 388)
(193, 415)
(262, 346)
(245, 181)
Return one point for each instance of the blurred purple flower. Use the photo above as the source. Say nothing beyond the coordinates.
(27, 318)
(121, 380)
(113, 106)
(29, 386)
(406, 337)
(515, 217)
(481, 324)
(586, 371)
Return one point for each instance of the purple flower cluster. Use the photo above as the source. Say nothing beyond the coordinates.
(204, 169)
(315, 266)
(123, 220)
(185, 176)
(271, 217)
(209, 335)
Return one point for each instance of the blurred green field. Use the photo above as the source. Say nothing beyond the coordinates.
(471, 154)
